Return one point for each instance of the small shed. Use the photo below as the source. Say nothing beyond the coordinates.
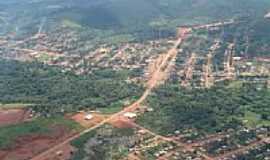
(267, 15)
(237, 58)
(130, 115)
(88, 117)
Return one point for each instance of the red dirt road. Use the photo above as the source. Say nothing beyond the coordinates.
(64, 153)
(240, 150)
(153, 81)
(163, 62)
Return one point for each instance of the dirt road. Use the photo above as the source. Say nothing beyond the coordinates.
(153, 81)
(168, 139)
(240, 150)
(188, 71)
(163, 65)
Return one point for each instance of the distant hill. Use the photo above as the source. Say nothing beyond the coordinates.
(128, 15)
(141, 13)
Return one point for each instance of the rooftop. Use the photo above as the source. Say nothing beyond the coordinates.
(267, 15)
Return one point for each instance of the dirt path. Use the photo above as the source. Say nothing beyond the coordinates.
(208, 77)
(156, 135)
(35, 37)
(189, 69)
(240, 150)
(163, 64)
(210, 138)
(156, 77)
(168, 139)
(153, 81)
(217, 24)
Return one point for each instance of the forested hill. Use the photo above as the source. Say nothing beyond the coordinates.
(165, 13)
(126, 15)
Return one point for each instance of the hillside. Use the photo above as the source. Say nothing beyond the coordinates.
(125, 16)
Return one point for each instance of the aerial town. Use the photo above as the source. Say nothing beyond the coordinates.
(198, 94)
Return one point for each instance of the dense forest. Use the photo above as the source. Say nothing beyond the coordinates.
(35, 83)
(250, 35)
(207, 111)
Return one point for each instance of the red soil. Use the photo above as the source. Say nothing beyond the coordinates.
(65, 153)
(30, 145)
(13, 116)
(122, 122)
(80, 118)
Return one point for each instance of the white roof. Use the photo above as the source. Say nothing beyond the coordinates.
(237, 58)
(267, 15)
(130, 115)
(88, 116)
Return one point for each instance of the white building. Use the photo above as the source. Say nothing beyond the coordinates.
(88, 117)
(130, 115)
(267, 15)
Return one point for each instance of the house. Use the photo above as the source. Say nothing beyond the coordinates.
(267, 15)
(237, 58)
(88, 117)
(130, 115)
(267, 140)
(149, 109)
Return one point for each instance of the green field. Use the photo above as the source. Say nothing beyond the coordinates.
(14, 105)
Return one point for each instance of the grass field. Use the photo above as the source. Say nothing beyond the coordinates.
(111, 110)
(71, 24)
(14, 105)
(252, 119)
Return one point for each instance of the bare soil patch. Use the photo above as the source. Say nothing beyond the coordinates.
(63, 153)
(80, 118)
(13, 116)
(30, 145)
(132, 156)
(122, 122)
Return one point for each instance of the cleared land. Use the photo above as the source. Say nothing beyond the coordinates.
(23, 141)
(13, 116)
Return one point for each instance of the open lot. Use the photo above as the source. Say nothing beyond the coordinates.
(87, 123)
(25, 140)
(13, 116)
